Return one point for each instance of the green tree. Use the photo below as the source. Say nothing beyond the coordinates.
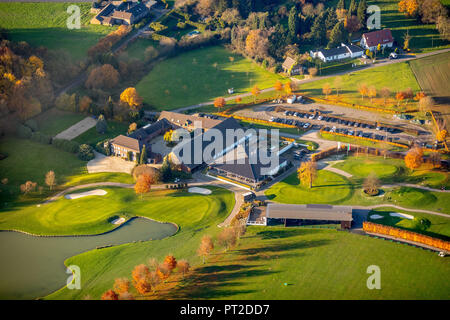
(166, 171)
(293, 23)
(101, 125)
(362, 12)
(318, 30)
(341, 4)
(337, 35)
(331, 19)
(143, 159)
(352, 9)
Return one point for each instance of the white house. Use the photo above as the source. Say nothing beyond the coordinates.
(343, 52)
(371, 40)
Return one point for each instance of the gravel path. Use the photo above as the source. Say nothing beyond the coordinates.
(77, 129)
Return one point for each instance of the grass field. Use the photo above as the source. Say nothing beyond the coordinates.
(28, 160)
(299, 263)
(136, 49)
(44, 24)
(331, 188)
(196, 215)
(91, 136)
(201, 75)
(54, 121)
(424, 37)
(440, 226)
(379, 77)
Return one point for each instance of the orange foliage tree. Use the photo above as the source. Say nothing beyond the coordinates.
(414, 158)
(143, 184)
(362, 89)
(255, 92)
(307, 172)
(170, 262)
(219, 103)
(278, 86)
(131, 97)
(409, 7)
(141, 277)
(110, 295)
(183, 266)
(326, 89)
(205, 248)
(121, 285)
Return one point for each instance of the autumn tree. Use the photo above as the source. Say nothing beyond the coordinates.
(132, 127)
(288, 88)
(110, 295)
(227, 237)
(143, 184)
(442, 135)
(170, 262)
(307, 173)
(238, 100)
(103, 77)
(420, 95)
(28, 187)
(278, 86)
(163, 272)
(183, 267)
(385, 93)
(85, 104)
(426, 104)
(372, 93)
(131, 97)
(326, 89)
(256, 44)
(414, 158)
(430, 10)
(141, 275)
(205, 248)
(399, 96)
(219, 103)
(121, 285)
(363, 90)
(168, 135)
(255, 92)
(409, 7)
(50, 179)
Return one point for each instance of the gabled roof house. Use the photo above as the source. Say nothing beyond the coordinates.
(371, 40)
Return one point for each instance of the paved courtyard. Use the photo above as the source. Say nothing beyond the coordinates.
(102, 163)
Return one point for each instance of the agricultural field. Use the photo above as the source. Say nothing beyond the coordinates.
(44, 24)
(201, 75)
(424, 37)
(332, 188)
(378, 77)
(301, 263)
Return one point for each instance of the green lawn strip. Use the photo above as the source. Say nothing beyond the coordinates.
(331, 188)
(54, 121)
(360, 142)
(299, 263)
(440, 226)
(137, 48)
(254, 125)
(201, 75)
(196, 215)
(98, 177)
(379, 77)
(29, 160)
(92, 137)
(45, 24)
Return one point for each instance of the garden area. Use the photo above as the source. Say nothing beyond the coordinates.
(201, 75)
(44, 24)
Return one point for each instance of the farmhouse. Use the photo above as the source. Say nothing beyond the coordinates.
(371, 40)
(293, 214)
(345, 51)
(120, 12)
(291, 66)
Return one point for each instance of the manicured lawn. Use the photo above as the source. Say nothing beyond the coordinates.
(28, 160)
(440, 226)
(92, 136)
(379, 77)
(196, 215)
(201, 75)
(421, 34)
(99, 177)
(298, 263)
(44, 24)
(54, 121)
(329, 188)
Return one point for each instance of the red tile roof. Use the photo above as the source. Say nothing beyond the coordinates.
(378, 37)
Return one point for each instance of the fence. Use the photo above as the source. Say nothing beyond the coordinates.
(367, 139)
(356, 149)
(406, 235)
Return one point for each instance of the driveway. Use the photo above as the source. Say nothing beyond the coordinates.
(102, 163)
(77, 129)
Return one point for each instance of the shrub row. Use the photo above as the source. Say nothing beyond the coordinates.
(66, 145)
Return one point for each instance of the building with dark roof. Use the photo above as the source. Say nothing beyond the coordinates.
(345, 51)
(188, 122)
(295, 214)
(291, 66)
(371, 40)
(120, 12)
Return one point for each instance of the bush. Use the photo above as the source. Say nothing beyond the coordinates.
(144, 169)
(24, 132)
(100, 147)
(32, 124)
(41, 138)
(66, 145)
(85, 152)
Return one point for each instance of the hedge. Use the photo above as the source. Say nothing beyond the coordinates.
(41, 138)
(66, 145)
(24, 132)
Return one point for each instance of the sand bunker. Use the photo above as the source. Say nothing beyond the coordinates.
(401, 215)
(118, 221)
(96, 192)
(199, 190)
(376, 216)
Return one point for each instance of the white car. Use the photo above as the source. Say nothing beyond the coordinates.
(320, 118)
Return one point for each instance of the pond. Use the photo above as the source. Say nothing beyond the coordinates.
(33, 267)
